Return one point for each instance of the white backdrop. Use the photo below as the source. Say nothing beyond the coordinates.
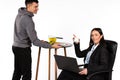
(60, 18)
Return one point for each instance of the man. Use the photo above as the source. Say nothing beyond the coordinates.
(24, 35)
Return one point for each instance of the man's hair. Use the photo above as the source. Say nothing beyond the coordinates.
(30, 1)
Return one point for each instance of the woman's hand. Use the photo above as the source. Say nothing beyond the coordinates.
(83, 72)
(75, 39)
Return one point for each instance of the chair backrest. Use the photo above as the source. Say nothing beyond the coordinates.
(112, 48)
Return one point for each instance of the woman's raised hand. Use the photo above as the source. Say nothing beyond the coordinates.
(76, 39)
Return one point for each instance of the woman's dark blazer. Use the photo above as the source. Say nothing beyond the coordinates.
(98, 60)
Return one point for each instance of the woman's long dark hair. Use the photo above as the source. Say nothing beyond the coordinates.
(102, 41)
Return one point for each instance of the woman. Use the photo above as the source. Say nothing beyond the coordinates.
(95, 58)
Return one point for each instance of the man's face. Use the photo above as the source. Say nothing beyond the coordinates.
(33, 7)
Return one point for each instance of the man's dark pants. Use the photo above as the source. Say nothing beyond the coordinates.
(22, 64)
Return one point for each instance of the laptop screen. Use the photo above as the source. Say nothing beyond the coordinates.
(67, 63)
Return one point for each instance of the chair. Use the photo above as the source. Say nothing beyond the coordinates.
(112, 48)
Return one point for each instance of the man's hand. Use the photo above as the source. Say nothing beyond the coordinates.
(56, 45)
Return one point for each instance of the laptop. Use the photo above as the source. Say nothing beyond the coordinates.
(67, 63)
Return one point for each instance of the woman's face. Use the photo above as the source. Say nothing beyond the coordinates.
(96, 37)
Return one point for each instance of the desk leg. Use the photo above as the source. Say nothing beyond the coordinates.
(65, 52)
(55, 66)
(49, 60)
(38, 63)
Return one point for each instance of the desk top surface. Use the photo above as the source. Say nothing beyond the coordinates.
(65, 44)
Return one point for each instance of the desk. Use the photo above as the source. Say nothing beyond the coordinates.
(49, 62)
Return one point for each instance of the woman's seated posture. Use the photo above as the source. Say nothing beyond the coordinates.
(95, 58)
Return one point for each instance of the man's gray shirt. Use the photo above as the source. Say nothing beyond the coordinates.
(24, 31)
